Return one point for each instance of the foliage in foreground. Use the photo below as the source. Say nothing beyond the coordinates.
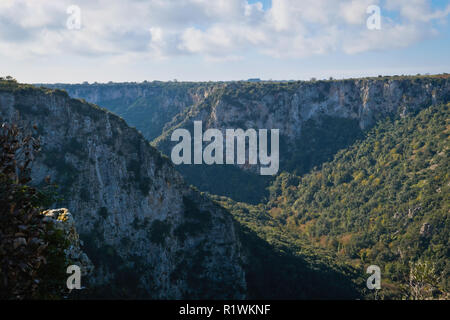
(32, 258)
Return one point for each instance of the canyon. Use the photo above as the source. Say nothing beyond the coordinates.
(315, 118)
(151, 235)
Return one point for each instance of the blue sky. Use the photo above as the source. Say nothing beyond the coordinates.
(202, 40)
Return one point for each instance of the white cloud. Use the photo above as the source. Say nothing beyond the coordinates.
(399, 36)
(354, 12)
(417, 10)
(217, 30)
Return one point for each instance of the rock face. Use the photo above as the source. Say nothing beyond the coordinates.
(63, 220)
(147, 106)
(304, 112)
(286, 106)
(147, 233)
(426, 230)
(157, 108)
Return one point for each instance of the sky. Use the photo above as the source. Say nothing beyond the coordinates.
(72, 41)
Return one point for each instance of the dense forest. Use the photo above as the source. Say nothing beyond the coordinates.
(383, 201)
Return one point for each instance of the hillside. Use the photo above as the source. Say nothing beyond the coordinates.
(147, 233)
(36, 245)
(382, 201)
(291, 266)
(147, 106)
(364, 181)
(316, 118)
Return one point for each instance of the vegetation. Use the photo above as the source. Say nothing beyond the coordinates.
(124, 281)
(227, 181)
(283, 265)
(159, 230)
(383, 201)
(32, 257)
(348, 199)
(196, 220)
(320, 139)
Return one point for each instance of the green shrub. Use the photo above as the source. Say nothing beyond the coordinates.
(159, 231)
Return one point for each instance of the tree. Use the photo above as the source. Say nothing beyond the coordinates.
(28, 245)
(423, 280)
(8, 78)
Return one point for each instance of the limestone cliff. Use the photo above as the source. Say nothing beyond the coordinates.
(283, 105)
(63, 220)
(147, 233)
(315, 118)
(148, 106)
